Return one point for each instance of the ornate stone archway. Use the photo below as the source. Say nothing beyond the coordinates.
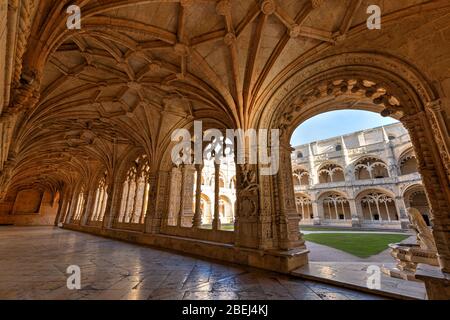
(370, 82)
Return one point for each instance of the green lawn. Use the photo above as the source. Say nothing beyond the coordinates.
(362, 245)
(311, 228)
(225, 227)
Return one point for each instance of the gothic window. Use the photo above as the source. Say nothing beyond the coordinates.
(370, 168)
(299, 155)
(378, 206)
(81, 201)
(301, 177)
(338, 147)
(304, 207)
(336, 207)
(135, 192)
(331, 173)
(101, 196)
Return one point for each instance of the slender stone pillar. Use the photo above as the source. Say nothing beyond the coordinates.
(188, 196)
(315, 210)
(180, 211)
(72, 208)
(401, 211)
(112, 209)
(68, 203)
(171, 216)
(357, 218)
(150, 195)
(84, 219)
(197, 220)
(185, 213)
(61, 208)
(216, 219)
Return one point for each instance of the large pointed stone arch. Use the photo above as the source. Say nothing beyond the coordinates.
(373, 82)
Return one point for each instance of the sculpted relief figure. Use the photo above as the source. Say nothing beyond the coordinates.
(424, 235)
(248, 179)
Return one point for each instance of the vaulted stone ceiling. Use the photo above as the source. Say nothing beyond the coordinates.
(139, 69)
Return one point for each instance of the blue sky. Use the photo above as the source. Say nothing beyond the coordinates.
(336, 123)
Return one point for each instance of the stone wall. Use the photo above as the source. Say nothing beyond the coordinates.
(16, 209)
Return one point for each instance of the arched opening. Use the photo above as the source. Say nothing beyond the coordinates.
(206, 210)
(304, 208)
(361, 164)
(100, 199)
(365, 157)
(134, 197)
(377, 206)
(330, 173)
(334, 208)
(370, 167)
(408, 162)
(415, 197)
(300, 177)
(212, 187)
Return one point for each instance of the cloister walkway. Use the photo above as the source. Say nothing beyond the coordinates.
(35, 260)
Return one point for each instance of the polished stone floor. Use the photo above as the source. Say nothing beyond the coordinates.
(34, 261)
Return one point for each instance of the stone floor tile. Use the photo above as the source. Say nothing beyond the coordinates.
(112, 269)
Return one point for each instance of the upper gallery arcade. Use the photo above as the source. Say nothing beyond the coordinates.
(86, 115)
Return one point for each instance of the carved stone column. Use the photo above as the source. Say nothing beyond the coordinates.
(287, 218)
(171, 216)
(107, 217)
(161, 202)
(72, 207)
(62, 203)
(434, 177)
(112, 209)
(182, 187)
(401, 211)
(216, 219)
(87, 208)
(150, 213)
(315, 210)
(197, 220)
(186, 214)
(357, 218)
(247, 206)
(67, 200)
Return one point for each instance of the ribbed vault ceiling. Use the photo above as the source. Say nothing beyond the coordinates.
(138, 69)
